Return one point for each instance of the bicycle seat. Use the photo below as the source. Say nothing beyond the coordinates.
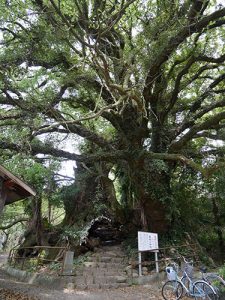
(203, 269)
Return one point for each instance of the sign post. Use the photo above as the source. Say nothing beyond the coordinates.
(139, 264)
(147, 241)
(156, 262)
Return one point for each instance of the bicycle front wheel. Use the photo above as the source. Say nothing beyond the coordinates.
(202, 290)
(172, 290)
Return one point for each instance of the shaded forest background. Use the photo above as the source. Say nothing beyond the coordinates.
(133, 92)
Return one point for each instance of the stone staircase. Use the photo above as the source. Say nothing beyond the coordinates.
(105, 268)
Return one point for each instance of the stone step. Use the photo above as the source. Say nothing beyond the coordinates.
(106, 259)
(116, 279)
(82, 280)
(99, 272)
(107, 265)
(100, 286)
(105, 268)
(101, 278)
(113, 285)
(111, 248)
(111, 253)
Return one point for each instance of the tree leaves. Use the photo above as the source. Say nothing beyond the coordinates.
(115, 73)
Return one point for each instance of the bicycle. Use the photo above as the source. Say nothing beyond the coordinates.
(214, 280)
(175, 287)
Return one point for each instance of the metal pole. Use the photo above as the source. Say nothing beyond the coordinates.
(139, 263)
(156, 262)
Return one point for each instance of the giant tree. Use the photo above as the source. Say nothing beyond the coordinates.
(143, 81)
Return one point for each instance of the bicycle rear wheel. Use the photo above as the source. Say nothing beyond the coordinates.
(172, 290)
(216, 282)
(202, 290)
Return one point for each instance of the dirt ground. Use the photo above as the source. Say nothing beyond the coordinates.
(11, 289)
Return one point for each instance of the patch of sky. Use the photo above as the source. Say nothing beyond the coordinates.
(66, 143)
(180, 117)
(6, 107)
(67, 168)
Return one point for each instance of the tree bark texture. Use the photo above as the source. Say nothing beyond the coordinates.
(218, 226)
(91, 195)
(150, 195)
(2, 195)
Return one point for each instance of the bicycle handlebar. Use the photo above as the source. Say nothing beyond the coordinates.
(190, 262)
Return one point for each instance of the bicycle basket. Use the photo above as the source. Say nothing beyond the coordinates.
(171, 273)
(188, 268)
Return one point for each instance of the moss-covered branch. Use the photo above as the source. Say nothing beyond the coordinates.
(14, 223)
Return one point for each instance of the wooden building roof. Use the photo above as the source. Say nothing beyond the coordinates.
(14, 187)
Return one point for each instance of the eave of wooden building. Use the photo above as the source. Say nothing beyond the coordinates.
(14, 188)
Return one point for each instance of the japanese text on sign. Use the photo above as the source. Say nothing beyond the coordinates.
(147, 241)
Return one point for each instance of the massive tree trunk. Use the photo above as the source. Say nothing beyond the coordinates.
(151, 194)
(34, 235)
(149, 179)
(218, 225)
(78, 197)
(91, 195)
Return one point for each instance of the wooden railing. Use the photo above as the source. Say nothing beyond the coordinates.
(165, 256)
(37, 258)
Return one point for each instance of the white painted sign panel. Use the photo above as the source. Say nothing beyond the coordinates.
(147, 241)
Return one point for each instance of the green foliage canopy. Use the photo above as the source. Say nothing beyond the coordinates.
(139, 80)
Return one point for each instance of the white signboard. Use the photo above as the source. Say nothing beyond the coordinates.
(147, 241)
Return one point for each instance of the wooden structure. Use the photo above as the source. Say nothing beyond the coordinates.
(12, 188)
(39, 257)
